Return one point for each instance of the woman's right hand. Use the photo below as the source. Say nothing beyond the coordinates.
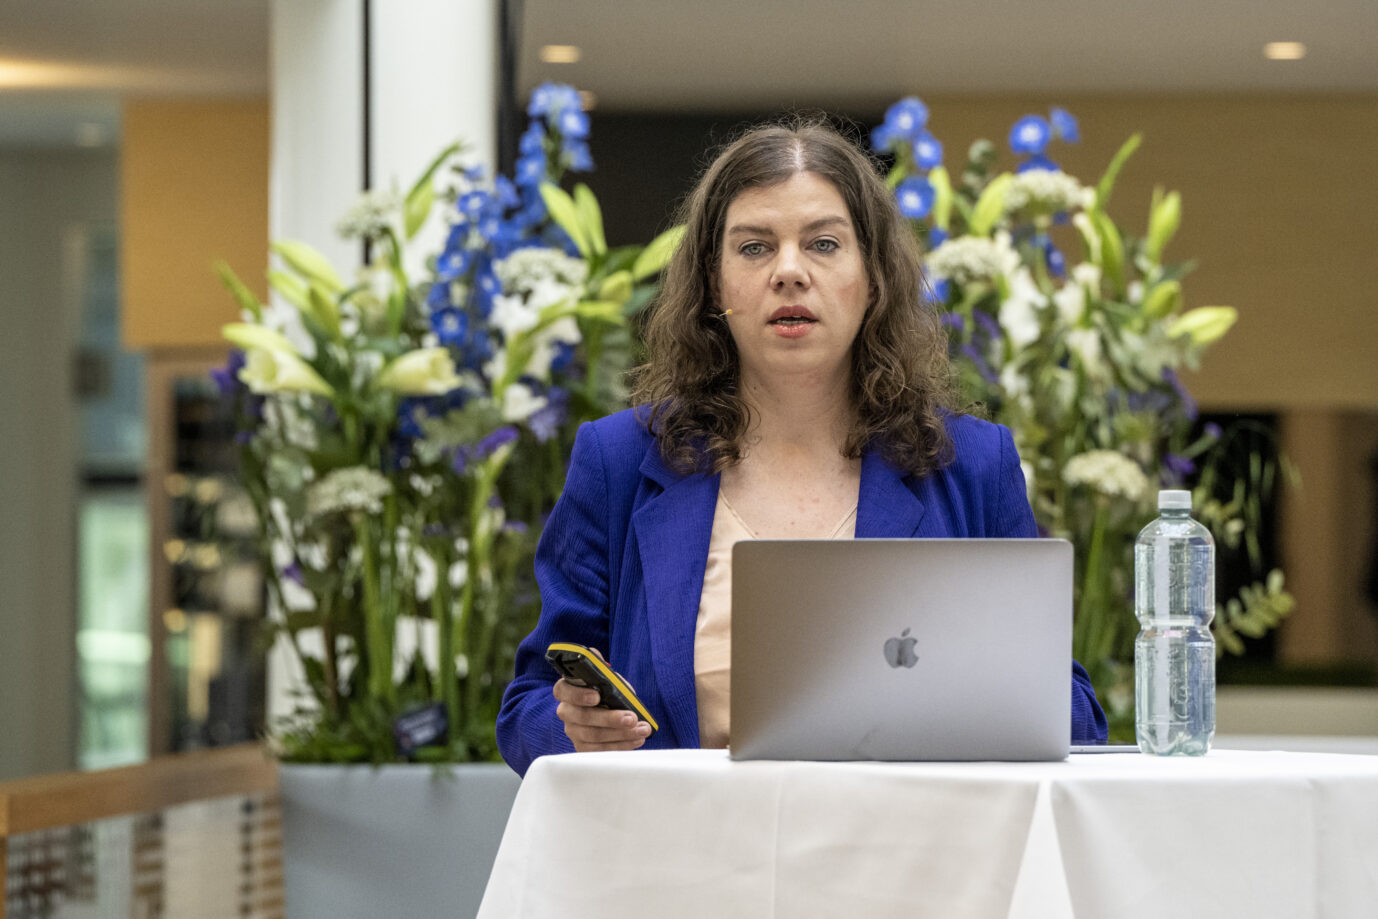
(594, 728)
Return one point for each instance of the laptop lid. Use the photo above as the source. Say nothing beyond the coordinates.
(901, 649)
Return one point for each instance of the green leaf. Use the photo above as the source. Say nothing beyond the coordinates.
(417, 208)
(1205, 324)
(1111, 249)
(942, 196)
(617, 287)
(990, 207)
(324, 310)
(657, 253)
(1107, 181)
(292, 288)
(600, 311)
(563, 211)
(308, 263)
(421, 196)
(590, 218)
(247, 299)
(1162, 225)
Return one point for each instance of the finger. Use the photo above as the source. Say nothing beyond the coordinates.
(582, 733)
(606, 747)
(565, 691)
(594, 717)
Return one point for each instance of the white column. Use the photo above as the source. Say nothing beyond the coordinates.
(317, 151)
(432, 80)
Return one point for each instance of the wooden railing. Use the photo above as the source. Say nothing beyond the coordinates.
(159, 833)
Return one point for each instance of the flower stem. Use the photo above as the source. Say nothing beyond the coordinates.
(1093, 619)
(377, 636)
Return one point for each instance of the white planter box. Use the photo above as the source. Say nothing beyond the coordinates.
(397, 840)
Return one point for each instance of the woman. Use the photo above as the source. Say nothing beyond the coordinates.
(797, 387)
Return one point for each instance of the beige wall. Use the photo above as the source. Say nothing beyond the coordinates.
(193, 190)
(1280, 209)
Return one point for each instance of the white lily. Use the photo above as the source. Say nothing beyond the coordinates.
(423, 372)
(271, 371)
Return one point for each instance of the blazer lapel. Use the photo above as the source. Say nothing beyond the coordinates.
(672, 530)
(886, 507)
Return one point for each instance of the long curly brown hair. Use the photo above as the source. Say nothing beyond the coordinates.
(901, 381)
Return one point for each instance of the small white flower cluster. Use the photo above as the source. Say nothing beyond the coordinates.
(355, 488)
(533, 281)
(524, 270)
(371, 214)
(1109, 472)
(1049, 190)
(973, 258)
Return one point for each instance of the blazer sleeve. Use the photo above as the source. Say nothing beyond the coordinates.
(572, 571)
(1014, 518)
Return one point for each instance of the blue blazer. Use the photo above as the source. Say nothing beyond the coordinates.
(621, 562)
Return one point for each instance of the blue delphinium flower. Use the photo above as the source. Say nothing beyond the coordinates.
(1176, 468)
(574, 123)
(936, 237)
(450, 325)
(226, 378)
(979, 361)
(987, 324)
(563, 358)
(411, 411)
(453, 263)
(577, 156)
(928, 151)
(499, 438)
(1188, 404)
(1030, 134)
(1065, 127)
(530, 170)
(552, 97)
(937, 291)
(545, 422)
(915, 197)
(904, 121)
(1056, 261)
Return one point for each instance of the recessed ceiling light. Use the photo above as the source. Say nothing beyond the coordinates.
(1284, 51)
(560, 54)
(587, 99)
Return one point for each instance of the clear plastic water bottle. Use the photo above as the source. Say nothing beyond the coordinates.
(1174, 656)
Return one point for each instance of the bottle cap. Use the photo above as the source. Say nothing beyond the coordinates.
(1173, 500)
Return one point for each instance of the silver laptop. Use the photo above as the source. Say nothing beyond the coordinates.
(901, 649)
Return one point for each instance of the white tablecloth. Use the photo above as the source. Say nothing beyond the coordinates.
(690, 833)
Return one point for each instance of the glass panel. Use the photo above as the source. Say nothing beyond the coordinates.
(112, 627)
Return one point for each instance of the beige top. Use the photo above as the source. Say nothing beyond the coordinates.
(713, 632)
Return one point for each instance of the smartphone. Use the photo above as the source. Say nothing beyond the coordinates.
(582, 667)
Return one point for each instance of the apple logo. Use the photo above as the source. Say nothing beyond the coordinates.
(899, 652)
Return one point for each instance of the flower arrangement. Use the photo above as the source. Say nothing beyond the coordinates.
(1081, 359)
(403, 435)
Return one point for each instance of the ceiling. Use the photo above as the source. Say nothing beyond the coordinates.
(77, 58)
